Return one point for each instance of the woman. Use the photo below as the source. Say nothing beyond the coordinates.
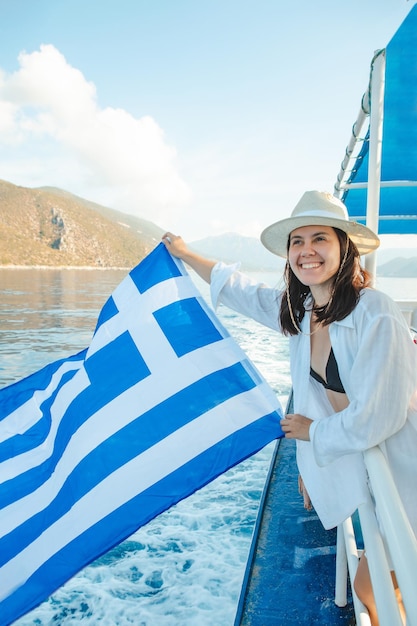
(353, 361)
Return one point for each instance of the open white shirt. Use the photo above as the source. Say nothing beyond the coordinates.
(377, 361)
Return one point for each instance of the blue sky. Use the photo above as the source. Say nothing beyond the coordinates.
(203, 116)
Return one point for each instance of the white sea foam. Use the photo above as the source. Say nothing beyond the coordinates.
(183, 568)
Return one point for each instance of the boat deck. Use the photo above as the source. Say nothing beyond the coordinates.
(290, 575)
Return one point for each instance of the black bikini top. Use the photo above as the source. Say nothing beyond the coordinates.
(332, 374)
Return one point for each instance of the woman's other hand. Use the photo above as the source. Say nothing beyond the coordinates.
(296, 426)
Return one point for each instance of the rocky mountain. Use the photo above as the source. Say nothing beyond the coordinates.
(51, 227)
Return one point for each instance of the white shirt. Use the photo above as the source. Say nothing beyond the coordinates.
(377, 361)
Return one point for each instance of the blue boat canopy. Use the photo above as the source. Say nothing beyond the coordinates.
(379, 173)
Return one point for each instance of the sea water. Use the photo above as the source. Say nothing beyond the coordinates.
(185, 568)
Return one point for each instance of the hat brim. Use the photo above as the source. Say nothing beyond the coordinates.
(275, 237)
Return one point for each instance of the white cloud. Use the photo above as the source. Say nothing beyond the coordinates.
(61, 137)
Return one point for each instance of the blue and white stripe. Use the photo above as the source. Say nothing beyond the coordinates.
(94, 446)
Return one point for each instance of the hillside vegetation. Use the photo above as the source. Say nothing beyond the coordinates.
(51, 227)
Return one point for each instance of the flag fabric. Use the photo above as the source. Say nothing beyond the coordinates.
(94, 446)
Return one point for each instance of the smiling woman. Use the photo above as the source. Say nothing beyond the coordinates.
(349, 346)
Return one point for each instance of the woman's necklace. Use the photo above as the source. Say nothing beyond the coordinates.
(296, 326)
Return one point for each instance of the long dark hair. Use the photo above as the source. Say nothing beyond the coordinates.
(349, 281)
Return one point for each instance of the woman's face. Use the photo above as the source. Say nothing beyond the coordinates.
(314, 255)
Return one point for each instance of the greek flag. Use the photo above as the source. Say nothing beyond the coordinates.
(94, 446)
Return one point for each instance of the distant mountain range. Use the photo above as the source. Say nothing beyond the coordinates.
(232, 248)
(254, 257)
(404, 267)
(50, 227)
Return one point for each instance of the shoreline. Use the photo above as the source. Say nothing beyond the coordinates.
(63, 267)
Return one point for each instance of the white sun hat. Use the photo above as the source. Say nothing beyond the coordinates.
(322, 209)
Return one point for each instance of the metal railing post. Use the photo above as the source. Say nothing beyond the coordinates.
(340, 596)
(386, 602)
(346, 543)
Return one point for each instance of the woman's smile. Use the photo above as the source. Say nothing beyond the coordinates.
(310, 266)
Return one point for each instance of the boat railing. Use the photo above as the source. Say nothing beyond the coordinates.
(409, 310)
(397, 550)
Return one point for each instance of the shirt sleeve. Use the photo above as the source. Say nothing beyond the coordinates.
(382, 382)
(237, 291)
